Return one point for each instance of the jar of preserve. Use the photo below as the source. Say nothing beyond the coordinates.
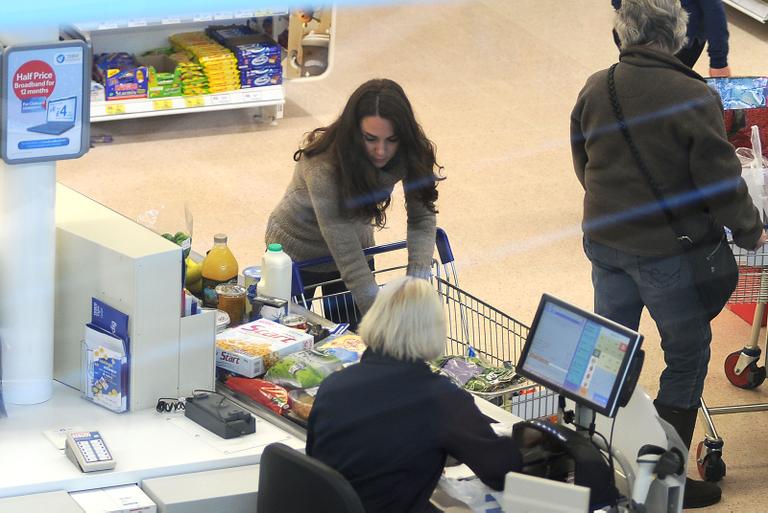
(231, 299)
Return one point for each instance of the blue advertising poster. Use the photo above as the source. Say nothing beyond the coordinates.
(45, 109)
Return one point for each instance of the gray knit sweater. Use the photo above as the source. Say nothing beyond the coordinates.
(309, 224)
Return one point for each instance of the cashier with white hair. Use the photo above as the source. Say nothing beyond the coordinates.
(388, 423)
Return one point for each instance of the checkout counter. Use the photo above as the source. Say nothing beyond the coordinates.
(144, 443)
(176, 462)
(102, 254)
(179, 464)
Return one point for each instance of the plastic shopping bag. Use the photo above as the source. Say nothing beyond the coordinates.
(473, 493)
(176, 225)
(753, 171)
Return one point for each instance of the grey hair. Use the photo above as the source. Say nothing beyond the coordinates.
(660, 24)
(406, 322)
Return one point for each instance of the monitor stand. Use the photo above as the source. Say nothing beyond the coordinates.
(645, 488)
(583, 417)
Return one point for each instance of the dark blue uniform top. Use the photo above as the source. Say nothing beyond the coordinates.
(706, 22)
(388, 425)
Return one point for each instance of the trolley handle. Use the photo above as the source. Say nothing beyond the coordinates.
(443, 247)
(729, 236)
(441, 241)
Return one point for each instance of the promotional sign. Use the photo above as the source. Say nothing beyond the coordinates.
(45, 102)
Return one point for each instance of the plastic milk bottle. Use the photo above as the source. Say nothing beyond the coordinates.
(276, 273)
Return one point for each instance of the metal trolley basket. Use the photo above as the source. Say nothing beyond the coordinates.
(473, 326)
(744, 101)
(741, 367)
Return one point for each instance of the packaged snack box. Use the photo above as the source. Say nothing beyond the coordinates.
(347, 348)
(121, 77)
(252, 50)
(260, 53)
(261, 77)
(164, 77)
(250, 349)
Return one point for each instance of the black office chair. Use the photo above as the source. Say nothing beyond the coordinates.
(292, 482)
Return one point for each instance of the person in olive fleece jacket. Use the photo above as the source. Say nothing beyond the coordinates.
(707, 24)
(676, 123)
(342, 186)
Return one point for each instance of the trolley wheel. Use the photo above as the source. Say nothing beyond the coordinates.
(752, 376)
(711, 465)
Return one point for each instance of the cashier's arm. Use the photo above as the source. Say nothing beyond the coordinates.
(470, 439)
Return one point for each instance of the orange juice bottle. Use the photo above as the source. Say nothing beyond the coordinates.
(219, 267)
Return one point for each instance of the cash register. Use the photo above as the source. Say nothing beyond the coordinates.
(593, 364)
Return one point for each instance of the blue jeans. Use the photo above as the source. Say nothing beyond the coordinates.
(625, 283)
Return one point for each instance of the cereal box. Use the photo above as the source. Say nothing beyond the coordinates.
(250, 349)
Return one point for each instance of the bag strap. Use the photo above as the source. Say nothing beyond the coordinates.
(684, 240)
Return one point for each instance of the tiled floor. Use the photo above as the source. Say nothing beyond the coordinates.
(493, 83)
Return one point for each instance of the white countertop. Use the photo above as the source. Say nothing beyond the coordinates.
(144, 444)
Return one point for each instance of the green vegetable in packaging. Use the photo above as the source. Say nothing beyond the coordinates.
(305, 369)
(181, 237)
(476, 375)
(493, 379)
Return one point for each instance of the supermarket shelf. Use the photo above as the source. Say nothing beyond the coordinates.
(101, 26)
(756, 9)
(239, 99)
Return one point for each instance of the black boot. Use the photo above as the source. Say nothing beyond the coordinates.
(698, 494)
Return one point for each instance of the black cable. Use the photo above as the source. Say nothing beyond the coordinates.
(169, 405)
(610, 452)
(592, 432)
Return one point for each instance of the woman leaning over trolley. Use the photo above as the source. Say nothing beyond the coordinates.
(342, 185)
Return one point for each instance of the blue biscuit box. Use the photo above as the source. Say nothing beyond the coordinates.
(251, 49)
(257, 54)
(272, 75)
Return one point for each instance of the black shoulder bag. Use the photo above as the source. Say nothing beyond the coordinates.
(714, 268)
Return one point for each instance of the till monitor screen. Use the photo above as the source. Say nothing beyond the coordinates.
(579, 354)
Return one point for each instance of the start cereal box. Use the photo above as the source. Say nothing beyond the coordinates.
(250, 349)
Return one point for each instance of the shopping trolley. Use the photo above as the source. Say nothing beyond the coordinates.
(473, 326)
(742, 367)
(745, 102)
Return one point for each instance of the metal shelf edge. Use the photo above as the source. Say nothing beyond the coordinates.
(753, 8)
(210, 17)
(148, 107)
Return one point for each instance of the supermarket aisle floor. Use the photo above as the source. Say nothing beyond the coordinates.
(493, 86)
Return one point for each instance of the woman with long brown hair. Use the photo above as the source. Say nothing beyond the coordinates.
(342, 185)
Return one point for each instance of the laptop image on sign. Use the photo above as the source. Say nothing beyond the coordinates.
(60, 117)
